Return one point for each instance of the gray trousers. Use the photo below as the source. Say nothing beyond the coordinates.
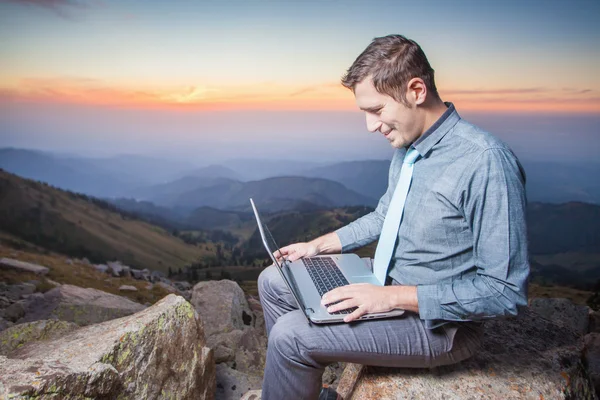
(298, 352)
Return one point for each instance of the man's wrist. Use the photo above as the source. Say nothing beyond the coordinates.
(405, 297)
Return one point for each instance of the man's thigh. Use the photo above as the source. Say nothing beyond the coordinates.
(396, 342)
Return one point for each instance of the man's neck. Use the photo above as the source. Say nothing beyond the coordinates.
(433, 112)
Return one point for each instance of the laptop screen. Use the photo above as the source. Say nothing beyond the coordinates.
(268, 239)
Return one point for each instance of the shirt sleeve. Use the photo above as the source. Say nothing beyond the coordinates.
(491, 194)
(367, 228)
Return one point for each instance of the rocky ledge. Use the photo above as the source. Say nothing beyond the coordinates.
(159, 352)
(527, 357)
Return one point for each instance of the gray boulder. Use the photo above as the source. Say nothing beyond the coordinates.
(527, 357)
(17, 336)
(591, 357)
(232, 384)
(81, 306)
(159, 352)
(563, 312)
(23, 266)
(231, 326)
(594, 321)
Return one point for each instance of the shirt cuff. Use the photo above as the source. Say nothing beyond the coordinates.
(346, 238)
(429, 302)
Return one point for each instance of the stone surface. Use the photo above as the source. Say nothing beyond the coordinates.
(159, 352)
(527, 357)
(16, 336)
(23, 266)
(591, 357)
(167, 287)
(231, 326)
(81, 306)
(4, 324)
(252, 395)
(222, 305)
(594, 321)
(563, 312)
(231, 384)
(128, 288)
(15, 311)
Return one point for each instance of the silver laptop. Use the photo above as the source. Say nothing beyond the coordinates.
(311, 277)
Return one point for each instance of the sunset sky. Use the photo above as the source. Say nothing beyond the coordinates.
(211, 78)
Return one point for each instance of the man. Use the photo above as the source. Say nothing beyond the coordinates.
(460, 252)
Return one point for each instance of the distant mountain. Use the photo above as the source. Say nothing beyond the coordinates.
(168, 193)
(99, 177)
(560, 228)
(139, 169)
(80, 226)
(553, 182)
(235, 195)
(215, 171)
(254, 169)
(369, 178)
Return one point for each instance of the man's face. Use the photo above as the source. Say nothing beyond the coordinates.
(399, 124)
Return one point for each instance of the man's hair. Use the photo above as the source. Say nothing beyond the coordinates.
(391, 61)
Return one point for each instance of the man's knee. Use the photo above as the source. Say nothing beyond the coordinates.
(286, 337)
(267, 278)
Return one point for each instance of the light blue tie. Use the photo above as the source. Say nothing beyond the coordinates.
(391, 224)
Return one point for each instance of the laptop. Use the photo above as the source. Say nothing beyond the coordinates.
(311, 277)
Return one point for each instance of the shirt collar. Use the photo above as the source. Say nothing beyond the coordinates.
(437, 131)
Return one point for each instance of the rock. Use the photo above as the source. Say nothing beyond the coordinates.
(53, 283)
(23, 266)
(81, 306)
(167, 287)
(182, 285)
(84, 260)
(101, 268)
(159, 352)
(230, 326)
(146, 274)
(222, 305)
(4, 324)
(126, 272)
(69, 261)
(128, 288)
(252, 395)
(137, 274)
(527, 357)
(563, 312)
(16, 336)
(15, 292)
(4, 302)
(332, 374)
(231, 384)
(156, 276)
(15, 311)
(594, 319)
(591, 357)
(116, 268)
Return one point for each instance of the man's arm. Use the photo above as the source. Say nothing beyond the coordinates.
(491, 195)
(367, 228)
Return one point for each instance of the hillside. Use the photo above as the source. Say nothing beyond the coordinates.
(235, 195)
(73, 224)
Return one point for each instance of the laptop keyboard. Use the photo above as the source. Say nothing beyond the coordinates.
(327, 276)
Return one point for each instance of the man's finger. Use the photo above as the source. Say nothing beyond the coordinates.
(356, 314)
(342, 305)
(337, 294)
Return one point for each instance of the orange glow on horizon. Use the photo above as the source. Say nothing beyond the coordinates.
(268, 96)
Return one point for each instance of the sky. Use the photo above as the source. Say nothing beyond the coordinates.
(204, 81)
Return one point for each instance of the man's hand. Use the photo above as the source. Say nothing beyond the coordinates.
(370, 299)
(297, 251)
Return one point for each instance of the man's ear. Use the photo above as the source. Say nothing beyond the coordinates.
(416, 91)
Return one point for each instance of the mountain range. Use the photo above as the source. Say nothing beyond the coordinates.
(173, 184)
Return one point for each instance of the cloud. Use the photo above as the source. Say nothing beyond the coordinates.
(61, 8)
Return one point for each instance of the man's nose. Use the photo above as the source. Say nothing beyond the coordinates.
(373, 123)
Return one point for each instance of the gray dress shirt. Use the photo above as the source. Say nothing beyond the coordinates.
(463, 238)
